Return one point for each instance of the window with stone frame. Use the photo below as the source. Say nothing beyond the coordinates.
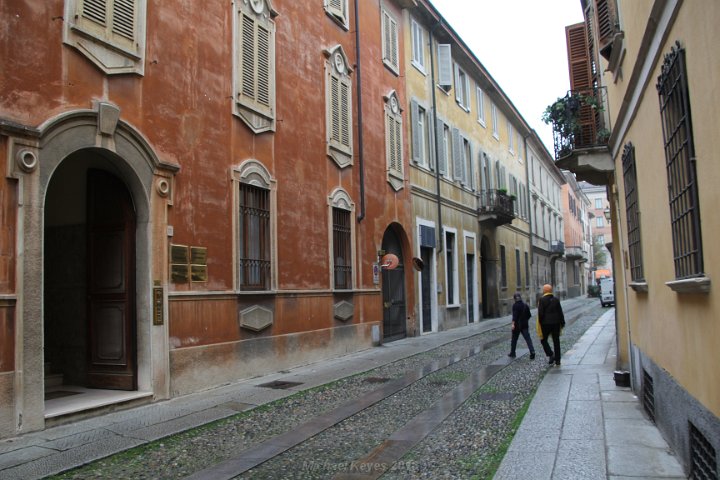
(110, 33)
(674, 96)
(254, 64)
(462, 88)
(421, 138)
(394, 141)
(339, 107)
(342, 249)
(480, 96)
(390, 42)
(338, 11)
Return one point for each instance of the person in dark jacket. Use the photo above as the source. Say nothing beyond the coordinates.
(520, 316)
(552, 320)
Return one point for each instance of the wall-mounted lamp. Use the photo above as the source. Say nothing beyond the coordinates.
(606, 212)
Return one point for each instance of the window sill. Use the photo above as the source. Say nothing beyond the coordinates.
(690, 285)
(482, 122)
(639, 287)
(453, 305)
(419, 68)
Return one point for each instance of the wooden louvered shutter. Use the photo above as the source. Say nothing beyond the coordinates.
(263, 66)
(605, 20)
(398, 145)
(581, 81)
(345, 113)
(248, 57)
(390, 47)
(337, 8)
(123, 19)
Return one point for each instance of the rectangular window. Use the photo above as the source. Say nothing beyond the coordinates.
(254, 237)
(680, 160)
(462, 88)
(342, 252)
(480, 106)
(527, 270)
(598, 204)
(494, 118)
(390, 42)
(518, 269)
(418, 45)
(601, 240)
(511, 136)
(338, 11)
(255, 69)
(600, 222)
(632, 212)
(420, 135)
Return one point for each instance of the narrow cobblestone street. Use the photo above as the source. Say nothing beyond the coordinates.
(446, 413)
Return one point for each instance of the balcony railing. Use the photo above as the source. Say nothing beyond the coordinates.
(496, 206)
(578, 121)
(575, 253)
(557, 247)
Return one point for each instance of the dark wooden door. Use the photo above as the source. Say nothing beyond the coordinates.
(111, 283)
(426, 288)
(393, 288)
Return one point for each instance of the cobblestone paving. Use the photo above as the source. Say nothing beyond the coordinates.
(469, 444)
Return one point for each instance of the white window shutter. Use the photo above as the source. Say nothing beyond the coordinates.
(263, 66)
(336, 7)
(471, 170)
(398, 145)
(335, 122)
(457, 152)
(248, 57)
(345, 114)
(458, 88)
(95, 11)
(416, 134)
(394, 53)
(445, 67)
(123, 18)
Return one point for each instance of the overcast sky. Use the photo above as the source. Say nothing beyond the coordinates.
(522, 44)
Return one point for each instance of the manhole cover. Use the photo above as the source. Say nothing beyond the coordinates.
(497, 396)
(280, 384)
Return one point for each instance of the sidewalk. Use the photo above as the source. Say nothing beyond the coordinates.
(581, 426)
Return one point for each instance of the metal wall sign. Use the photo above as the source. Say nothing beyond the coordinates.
(188, 264)
(158, 311)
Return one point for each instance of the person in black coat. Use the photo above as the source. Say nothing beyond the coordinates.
(552, 321)
(520, 316)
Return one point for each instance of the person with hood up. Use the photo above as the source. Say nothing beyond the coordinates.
(552, 320)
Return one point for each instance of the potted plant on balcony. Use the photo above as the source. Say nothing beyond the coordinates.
(564, 114)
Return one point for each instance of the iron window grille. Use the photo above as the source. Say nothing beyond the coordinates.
(680, 161)
(632, 213)
(254, 238)
(342, 253)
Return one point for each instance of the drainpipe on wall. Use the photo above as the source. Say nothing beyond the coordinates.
(361, 157)
(435, 136)
(529, 205)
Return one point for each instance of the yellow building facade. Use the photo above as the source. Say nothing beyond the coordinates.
(656, 74)
(468, 179)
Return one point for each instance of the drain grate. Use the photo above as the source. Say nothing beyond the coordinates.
(497, 396)
(648, 395)
(702, 456)
(280, 384)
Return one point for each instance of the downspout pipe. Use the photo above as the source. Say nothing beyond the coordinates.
(438, 196)
(528, 200)
(361, 156)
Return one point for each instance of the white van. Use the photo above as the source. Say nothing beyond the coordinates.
(607, 292)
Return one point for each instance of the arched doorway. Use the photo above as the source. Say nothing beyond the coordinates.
(89, 268)
(393, 289)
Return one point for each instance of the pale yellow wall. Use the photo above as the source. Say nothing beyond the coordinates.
(678, 331)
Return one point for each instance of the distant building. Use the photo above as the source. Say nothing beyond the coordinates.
(601, 226)
(577, 236)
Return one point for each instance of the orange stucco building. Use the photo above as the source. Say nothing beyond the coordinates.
(195, 193)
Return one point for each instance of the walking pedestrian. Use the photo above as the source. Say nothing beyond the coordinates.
(520, 316)
(552, 320)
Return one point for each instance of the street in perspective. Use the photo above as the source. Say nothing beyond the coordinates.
(446, 406)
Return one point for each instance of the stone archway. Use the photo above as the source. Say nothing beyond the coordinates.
(148, 180)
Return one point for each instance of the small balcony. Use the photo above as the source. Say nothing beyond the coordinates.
(496, 208)
(575, 253)
(557, 247)
(580, 134)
